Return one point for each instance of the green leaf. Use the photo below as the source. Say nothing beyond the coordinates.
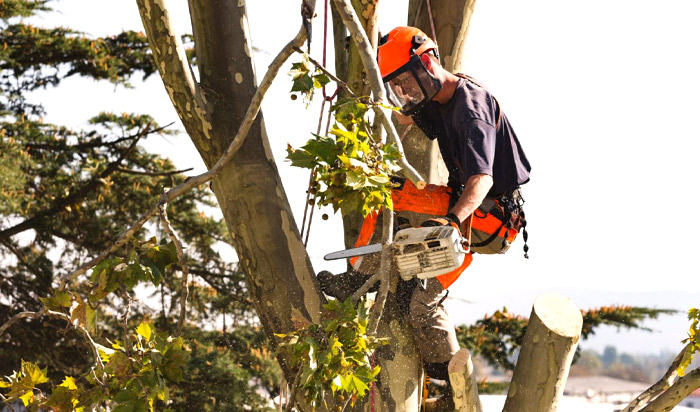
(172, 373)
(360, 385)
(323, 147)
(303, 84)
(59, 300)
(156, 271)
(321, 80)
(301, 158)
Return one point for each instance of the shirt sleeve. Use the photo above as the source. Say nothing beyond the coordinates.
(477, 147)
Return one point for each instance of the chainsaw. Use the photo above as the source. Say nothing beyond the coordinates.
(422, 252)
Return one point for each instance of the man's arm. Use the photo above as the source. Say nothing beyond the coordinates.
(475, 190)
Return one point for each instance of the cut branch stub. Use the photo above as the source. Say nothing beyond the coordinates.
(546, 354)
(463, 382)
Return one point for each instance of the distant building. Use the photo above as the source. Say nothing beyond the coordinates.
(603, 389)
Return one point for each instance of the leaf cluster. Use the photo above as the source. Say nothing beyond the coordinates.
(334, 357)
(115, 58)
(630, 317)
(145, 262)
(135, 377)
(693, 339)
(306, 80)
(351, 171)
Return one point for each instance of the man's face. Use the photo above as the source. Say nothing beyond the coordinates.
(413, 84)
(406, 88)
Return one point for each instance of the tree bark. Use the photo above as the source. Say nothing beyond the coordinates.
(451, 19)
(463, 381)
(399, 384)
(548, 348)
(661, 385)
(675, 394)
(249, 191)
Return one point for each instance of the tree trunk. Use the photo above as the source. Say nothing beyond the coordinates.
(399, 386)
(548, 348)
(249, 191)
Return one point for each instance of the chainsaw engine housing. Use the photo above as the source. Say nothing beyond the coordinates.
(427, 252)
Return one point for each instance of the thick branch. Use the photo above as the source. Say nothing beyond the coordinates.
(384, 269)
(347, 13)
(675, 394)
(663, 384)
(21, 315)
(464, 383)
(123, 240)
(175, 70)
(148, 173)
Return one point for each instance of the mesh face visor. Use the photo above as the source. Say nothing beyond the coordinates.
(411, 86)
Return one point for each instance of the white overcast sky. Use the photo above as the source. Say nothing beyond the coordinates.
(603, 95)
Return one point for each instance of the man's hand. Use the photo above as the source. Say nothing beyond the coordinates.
(403, 119)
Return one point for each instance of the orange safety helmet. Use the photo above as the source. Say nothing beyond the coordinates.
(408, 83)
(397, 47)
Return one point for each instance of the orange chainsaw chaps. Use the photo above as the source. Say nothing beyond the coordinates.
(432, 200)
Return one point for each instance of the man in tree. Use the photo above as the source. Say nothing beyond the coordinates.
(482, 154)
(486, 166)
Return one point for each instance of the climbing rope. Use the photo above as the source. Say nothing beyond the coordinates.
(310, 197)
(432, 23)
